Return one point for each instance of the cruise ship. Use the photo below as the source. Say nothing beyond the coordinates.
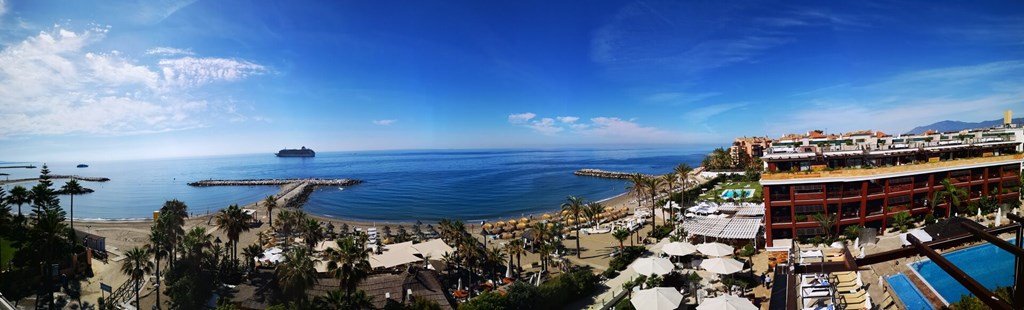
(302, 152)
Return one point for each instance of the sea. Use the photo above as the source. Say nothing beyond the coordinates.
(399, 186)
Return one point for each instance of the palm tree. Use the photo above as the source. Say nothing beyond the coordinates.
(5, 219)
(312, 232)
(621, 235)
(72, 188)
(251, 253)
(517, 248)
(670, 182)
(651, 184)
(591, 211)
(901, 221)
(173, 214)
(826, 222)
(20, 196)
(349, 262)
(495, 257)
(950, 194)
(157, 239)
(575, 208)
(136, 265)
(271, 204)
(296, 273)
(233, 221)
(636, 187)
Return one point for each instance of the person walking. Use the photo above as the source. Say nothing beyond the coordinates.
(767, 281)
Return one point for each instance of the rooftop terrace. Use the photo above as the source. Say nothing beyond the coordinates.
(856, 174)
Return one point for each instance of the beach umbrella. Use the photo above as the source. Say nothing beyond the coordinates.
(658, 298)
(726, 302)
(508, 271)
(715, 249)
(546, 216)
(488, 226)
(521, 226)
(570, 221)
(679, 249)
(512, 222)
(652, 265)
(524, 220)
(551, 225)
(722, 265)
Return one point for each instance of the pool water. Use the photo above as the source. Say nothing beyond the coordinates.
(989, 265)
(737, 193)
(908, 294)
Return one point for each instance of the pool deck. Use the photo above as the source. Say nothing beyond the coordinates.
(891, 241)
(929, 294)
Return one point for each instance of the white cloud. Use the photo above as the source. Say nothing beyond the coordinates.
(169, 51)
(384, 122)
(50, 85)
(568, 119)
(521, 117)
(3, 7)
(616, 129)
(191, 71)
(545, 126)
(900, 102)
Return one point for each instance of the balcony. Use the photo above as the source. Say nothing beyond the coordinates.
(774, 197)
(782, 219)
(846, 173)
(809, 196)
(901, 187)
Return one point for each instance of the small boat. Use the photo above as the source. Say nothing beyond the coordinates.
(83, 166)
(341, 188)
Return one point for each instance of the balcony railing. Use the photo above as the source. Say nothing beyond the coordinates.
(900, 188)
(858, 172)
(818, 195)
(782, 219)
(774, 197)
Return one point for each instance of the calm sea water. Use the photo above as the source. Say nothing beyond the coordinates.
(400, 185)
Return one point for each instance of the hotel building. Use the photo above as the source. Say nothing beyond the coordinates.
(864, 178)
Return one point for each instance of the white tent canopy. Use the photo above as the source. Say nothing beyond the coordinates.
(658, 298)
(652, 265)
(715, 249)
(726, 302)
(920, 234)
(722, 265)
(728, 228)
(433, 249)
(679, 249)
(392, 258)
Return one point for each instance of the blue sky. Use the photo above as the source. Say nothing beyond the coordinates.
(84, 80)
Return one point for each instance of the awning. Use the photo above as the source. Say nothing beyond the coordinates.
(433, 249)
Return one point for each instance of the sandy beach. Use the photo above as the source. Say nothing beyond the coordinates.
(123, 235)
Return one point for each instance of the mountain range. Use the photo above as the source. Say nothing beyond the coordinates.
(946, 126)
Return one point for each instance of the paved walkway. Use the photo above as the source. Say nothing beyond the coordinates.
(613, 286)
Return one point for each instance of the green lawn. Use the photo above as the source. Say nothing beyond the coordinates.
(8, 253)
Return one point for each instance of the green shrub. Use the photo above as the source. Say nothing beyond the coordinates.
(628, 255)
(553, 294)
(610, 273)
(660, 232)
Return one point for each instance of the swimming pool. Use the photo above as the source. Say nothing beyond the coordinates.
(909, 295)
(988, 264)
(737, 193)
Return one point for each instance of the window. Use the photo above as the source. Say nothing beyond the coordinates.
(808, 189)
(899, 200)
(809, 209)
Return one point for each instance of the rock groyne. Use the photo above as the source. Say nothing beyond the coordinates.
(605, 174)
(274, 182)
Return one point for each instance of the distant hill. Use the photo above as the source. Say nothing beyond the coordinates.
(945, 126)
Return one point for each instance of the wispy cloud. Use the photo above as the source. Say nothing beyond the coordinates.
(703, 114)
(169, 51)
(3, 7)
(900, 102)
(678, 98)
(50, 85)
(384, 122)
(521, 117)
(599, 129)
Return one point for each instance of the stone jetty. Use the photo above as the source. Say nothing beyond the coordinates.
(273, 182)
(80, 178)
(605, 174)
